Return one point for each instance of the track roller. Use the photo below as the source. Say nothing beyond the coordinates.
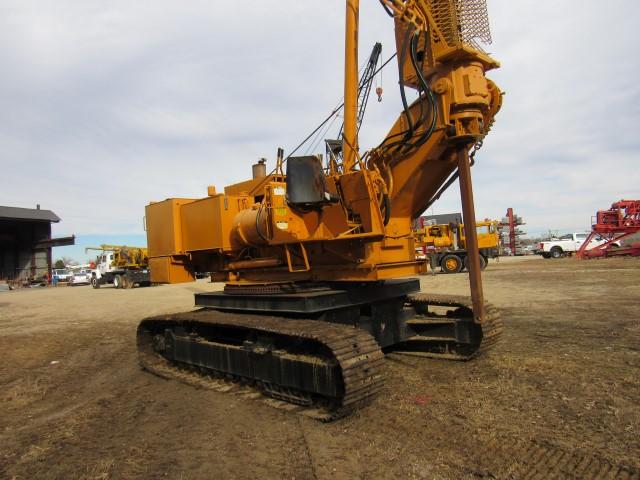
(331, 368)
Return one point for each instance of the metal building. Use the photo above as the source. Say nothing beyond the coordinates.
(25, 242)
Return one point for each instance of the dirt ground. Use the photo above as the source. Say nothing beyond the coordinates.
(560, 396)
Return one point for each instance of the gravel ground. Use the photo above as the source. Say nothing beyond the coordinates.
(558, 397)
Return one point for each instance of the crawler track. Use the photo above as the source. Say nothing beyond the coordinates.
(321, 369)
(478, 337)
(349, 357)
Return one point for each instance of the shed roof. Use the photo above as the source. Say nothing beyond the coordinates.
(35, 214)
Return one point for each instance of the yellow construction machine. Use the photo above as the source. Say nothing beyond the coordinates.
(445, 245)
(120, 265)
(319, 254)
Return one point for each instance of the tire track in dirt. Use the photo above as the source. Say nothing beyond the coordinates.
(533, 460)
(307, 450)
(53, 415)
(557, 400)
(98, 415)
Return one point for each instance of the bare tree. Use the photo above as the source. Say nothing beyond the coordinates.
(65, 261)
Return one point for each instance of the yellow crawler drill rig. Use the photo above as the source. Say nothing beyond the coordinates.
(319, 259)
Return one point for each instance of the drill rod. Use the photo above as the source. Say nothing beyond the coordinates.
(470, 234)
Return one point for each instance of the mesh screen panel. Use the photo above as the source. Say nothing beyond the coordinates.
(462, 21)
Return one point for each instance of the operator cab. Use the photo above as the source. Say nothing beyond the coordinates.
(306, 184)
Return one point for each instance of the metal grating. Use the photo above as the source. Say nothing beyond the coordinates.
(462, 21)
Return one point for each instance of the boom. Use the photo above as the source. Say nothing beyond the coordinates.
(334, 147)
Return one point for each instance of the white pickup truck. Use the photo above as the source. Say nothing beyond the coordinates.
(567, 245)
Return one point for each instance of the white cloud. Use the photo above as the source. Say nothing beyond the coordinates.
(106, 106)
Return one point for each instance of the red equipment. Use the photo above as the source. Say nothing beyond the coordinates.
(512, 230)
(510, 223)
(619, 222)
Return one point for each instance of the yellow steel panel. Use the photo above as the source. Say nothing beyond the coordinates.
(169, 270)
(251, 187)
(206, 224)
(164, 233)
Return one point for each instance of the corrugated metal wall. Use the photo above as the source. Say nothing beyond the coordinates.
(18, 259)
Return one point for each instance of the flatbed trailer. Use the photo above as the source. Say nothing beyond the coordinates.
(122, 278)
(121, 266)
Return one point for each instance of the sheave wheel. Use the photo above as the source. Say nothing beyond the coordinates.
(117, 281)
(94, 282)
(451, 264)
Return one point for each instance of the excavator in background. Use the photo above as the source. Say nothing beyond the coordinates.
(319, 258)
(445, 245)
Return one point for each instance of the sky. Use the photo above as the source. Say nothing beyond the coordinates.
(105, 106)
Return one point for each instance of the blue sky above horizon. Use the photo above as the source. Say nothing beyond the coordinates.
(77, 252)
(110, 105)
